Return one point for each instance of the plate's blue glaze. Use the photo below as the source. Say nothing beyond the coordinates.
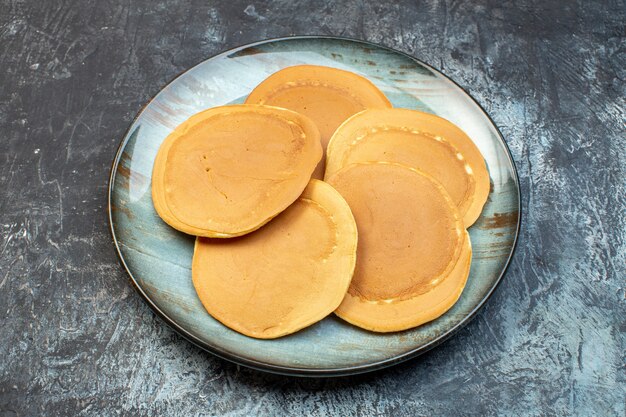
(158, 258)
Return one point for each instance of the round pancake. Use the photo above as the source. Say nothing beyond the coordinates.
(228, 170)
(289, 274)
(411, 240)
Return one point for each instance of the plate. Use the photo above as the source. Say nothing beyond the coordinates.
(158, 258)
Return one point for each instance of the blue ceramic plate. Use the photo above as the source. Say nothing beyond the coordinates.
(158, 258)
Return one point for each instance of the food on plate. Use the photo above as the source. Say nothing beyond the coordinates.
(289, 274)
(413, 252)
(382, 242)
(418, 140)
(326, 95)
(228, 170)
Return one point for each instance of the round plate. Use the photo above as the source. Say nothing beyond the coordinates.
(158, 258)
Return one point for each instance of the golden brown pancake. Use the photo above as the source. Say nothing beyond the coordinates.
(228, 170)
(287, 275)
(418, 140)
(326, 95)
(413, 249)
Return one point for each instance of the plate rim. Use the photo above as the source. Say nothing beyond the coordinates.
(302, 371)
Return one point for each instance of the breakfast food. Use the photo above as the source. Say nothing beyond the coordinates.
(418, 140)
(382, 242)
(413, 251)
(285, 276)
(326, 95)
(228, 170)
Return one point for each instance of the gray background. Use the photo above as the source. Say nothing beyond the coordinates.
(75, 339)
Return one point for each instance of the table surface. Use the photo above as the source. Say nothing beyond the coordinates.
(76, 338)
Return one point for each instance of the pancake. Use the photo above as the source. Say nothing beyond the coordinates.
(228, 170)
(413, 250)
(289, 274)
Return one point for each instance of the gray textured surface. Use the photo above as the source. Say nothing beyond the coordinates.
(77, 340)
